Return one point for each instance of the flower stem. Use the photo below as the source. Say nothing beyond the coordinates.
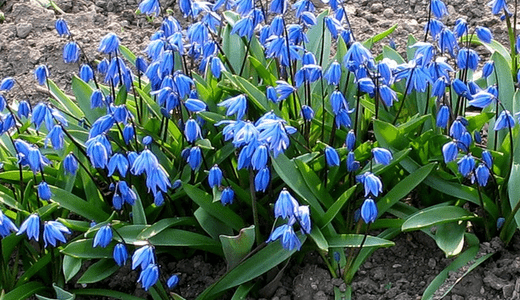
(258, 237)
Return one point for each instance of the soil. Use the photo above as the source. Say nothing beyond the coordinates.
(28, 38)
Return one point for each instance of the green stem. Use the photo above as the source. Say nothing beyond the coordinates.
(258, 237)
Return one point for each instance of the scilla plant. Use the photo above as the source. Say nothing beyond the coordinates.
(247, 137)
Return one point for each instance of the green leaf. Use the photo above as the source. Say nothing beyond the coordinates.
(82, 91)
(99, 271)
(24, 291)
(392, 54)
(71, 267)
(78, 205)
(222, 213)
(371, 41)
(513, 188)
(436, 215)
(181, 238)
(138, 214)
(121, 96)
(106, 293)
(338, 205)
(213, 226)
(450, 237)
(237, 247)
(317, 237)
(262, 71)
(354, 241)
(403, 188)
(61, 294)
(129, 55)
(34, 269)
(242, 291)
(163, 224)
(320, 39)
(63, 101)
(83, 249)
(264, 260)
(314, 183)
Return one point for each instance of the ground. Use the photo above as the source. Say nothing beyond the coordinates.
(28, 38)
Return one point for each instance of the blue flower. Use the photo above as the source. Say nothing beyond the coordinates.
(484, 34)
(56, 136)
(44, 192)
(85, 73)
(237, 104)
(350, 140)
(435, 27)
(173, 281)
(443, 116)
(465, 141)
(31, 226)
(24, 109)
(283, 90)
(278, 7)
(158, 199)
(145, 162)
(128, 133)
(150, 7)
(61, 27)
(304, 218)
(372, 184)
(192, 131)
(7, 84)
(447, 41)
(244, 27)
(158, 178)
(276, 134)
(438, 8)
(461, 88)
(143, 257)
(260, 157)
(217, 66)
(102, 66)
(331, 156)
(338, 102)
(41, 73)
(334, 26)
(285, 206)
(6, 225)
(288, 238)
(53, 231)
(497, 6)
(467, 59)
(461, 27)
(195, 105)
(487, 158)
(382, 155)
(149, 276)
(482, 99)
(504, 120)
(466, 165)
(96, 99)
(388, 95)
(369, 211)
(195, 158)
(120, 254)
(262, 179)
(488, 69)
(424, 53)
(98, 155)
(103, 236)
(482, 174)
(227, 196)
(357, 55)
(118, 161)
(109, 44)
(450, 151)
(70, 164)
(307, 113)
(247, 134)
(333, 74)
(36, 160)
(215, 176)
(457, 129)
(71, 52)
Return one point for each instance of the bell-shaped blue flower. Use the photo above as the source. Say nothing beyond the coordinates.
(369, 211)
(381, 155)
(227, 196)
(467, 59)
(443, 116)
(192, 131)
(466, 165)
(149, 276)
(352, 164)
(173, 281)
(504, 120)
(350, 140)
(498, 6)
(118, 161)
(145, 162)
(304, 218)
(484, 34)
(438, 9)
(103, 236)
(143, 257)
(371, 183)
(195, 158)
(36, 160)
(109, 44)
(61, 27)
(482, 174)
(487, 158)
(287, 236)
(85, 73)
(488, 69)
(307, 113)
(331, 156)
(41, 73)
(260, 157)
(54, 231)
(7, 84)
(70, 164)
(6, 226)
(120, 254)
(215, 176)
(283, 90)
(71, 52)
(237, 104)
(457, 129)
(31, 226)
(285, 205)
(333, 74)
(44, 192)
(24, 109)
(278, 7)
(262, 179)
(56, 136)
(450, 151)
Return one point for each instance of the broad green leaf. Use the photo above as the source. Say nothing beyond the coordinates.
(61, 294)
(320, 40)
(314, 183)
(513, 188)
(389, 135)
(106, 293)
(492, 47)
(222, 213)
(71, 267)
(392, 54)
(233, 48)
(317, 237)
(213, 226)
(450, 237)
(257, 97)
(129, 55)
(78, 205)
(181, 238)
(160, 225)
(65, 103)
(264, 260)
(82, 91)
(371, 41)
(138, 215)
(355, 240)
(24, 291)
(403, 188)
(242, 291)
(34, 269)
(262, 71)
(436, 215)
(99, 271)
(237, 247)
(338, 205)
(83, 249)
